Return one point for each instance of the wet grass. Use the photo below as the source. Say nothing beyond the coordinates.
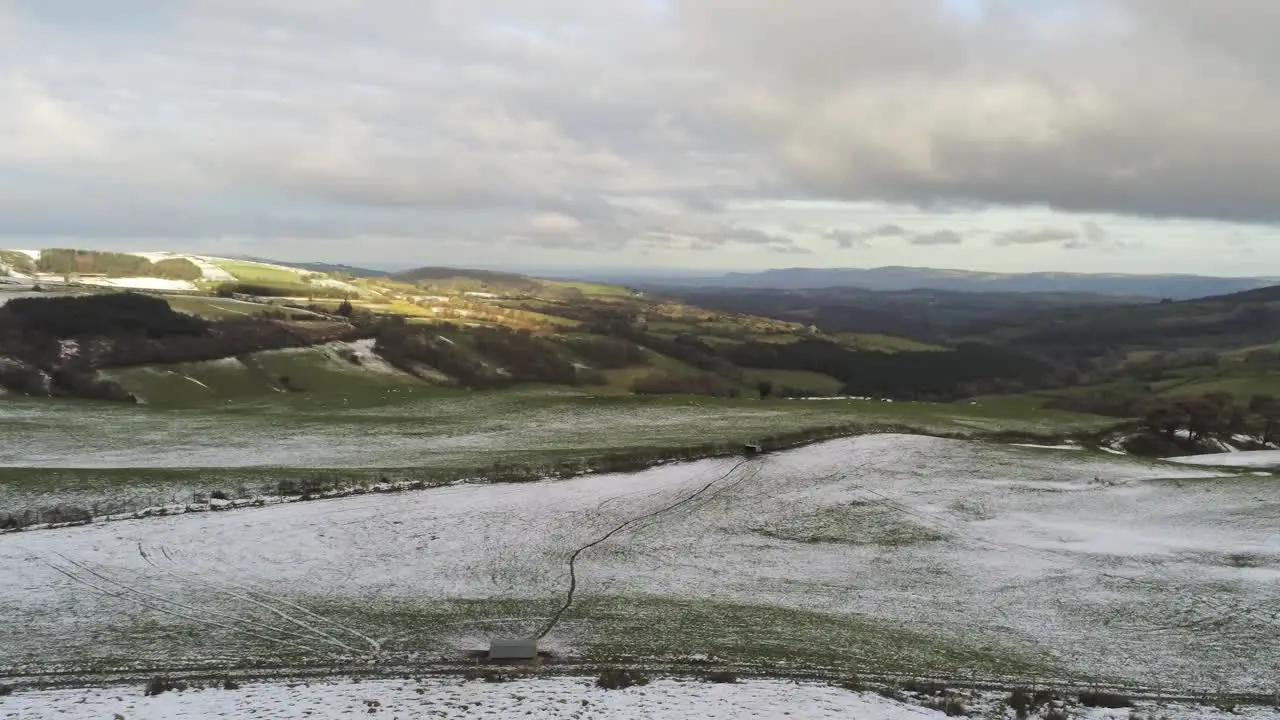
(120, 459)
(857, 523)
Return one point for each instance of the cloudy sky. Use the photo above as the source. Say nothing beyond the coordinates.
(1108, 135)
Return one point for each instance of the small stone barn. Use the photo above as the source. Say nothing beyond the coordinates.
(513, 649)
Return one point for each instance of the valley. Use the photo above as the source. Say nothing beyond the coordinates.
(284, 471)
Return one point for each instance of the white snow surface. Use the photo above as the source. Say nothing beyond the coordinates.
(552, 698)
(1024, 550)
(212, 271)
(1241, 459)
(364, 351)
(141, 283)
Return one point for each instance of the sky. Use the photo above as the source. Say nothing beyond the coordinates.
(1007, 135)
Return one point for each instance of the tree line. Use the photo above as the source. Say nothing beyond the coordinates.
(928, 375)
(1212, 416)
(57, 345)
(67, 261)
(496, 357)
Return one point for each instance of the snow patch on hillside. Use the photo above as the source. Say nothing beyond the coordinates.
(140, 283)
(321, 281)
(545, 699)
(212, 271)
(362, 351)
(1243, 459)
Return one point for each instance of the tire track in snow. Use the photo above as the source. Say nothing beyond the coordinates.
(573, 558)
(160, 598)
(246, 595)
(285, 602)
(208, 623)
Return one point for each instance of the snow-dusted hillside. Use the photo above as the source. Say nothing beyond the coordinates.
(552, 698)
(1242, 459)
(885, 553)
(213, 270)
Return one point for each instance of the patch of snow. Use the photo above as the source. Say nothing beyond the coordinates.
(551, 698)
(68, 349)
(322, 281)
(140, 283)
(212, 271)
(364, 351)
(443, 337)
(226, 362)
(1242, 459)
(156, 256)
(191, 379)
(1048, 447)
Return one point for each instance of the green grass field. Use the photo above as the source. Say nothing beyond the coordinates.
(882, 343)
(250, 272)
(799, 379)
(1242, 387)
(214, 308)
(236, 424)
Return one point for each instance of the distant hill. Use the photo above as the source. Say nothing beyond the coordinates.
(927, 315)
(1175, 287)
(1219, 322)
(465, 280)
(328, 268)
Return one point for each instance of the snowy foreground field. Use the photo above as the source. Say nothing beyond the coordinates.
(545, 699)
(889, 555)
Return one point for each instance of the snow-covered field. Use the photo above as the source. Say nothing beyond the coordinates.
(140, 283)
(888, 553)
(549, 698)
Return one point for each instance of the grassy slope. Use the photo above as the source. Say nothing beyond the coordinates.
(317, 377)
(251, 272)
(536, 308)
(799, 379)
(1242, 387)
(883, 343)
(357, 426)
(215, 308)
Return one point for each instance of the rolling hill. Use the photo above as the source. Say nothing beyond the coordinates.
(439, 326)
(1177, 287)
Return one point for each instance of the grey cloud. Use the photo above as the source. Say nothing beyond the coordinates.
(941, 237)
(896, 101)
(1089, 235)
(464, 119)
(845, 239)
(859, 238)
(1036, 236)
(1094, 233)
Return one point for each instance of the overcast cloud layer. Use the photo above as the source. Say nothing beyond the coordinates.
(1131, 135)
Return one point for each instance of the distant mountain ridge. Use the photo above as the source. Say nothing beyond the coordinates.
(1174, 287)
